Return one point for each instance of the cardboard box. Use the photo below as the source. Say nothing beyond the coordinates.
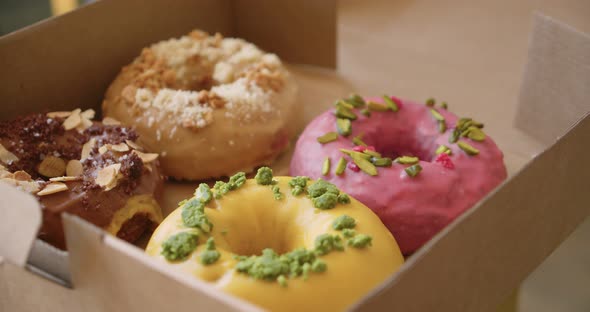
(472, 265)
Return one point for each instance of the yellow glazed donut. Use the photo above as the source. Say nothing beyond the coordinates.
(286, 244)
(203, 99)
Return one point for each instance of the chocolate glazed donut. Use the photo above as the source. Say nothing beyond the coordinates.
(90, 169)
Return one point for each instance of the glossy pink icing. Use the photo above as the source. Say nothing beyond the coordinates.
(413, 209)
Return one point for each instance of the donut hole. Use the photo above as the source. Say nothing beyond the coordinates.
(402, 144)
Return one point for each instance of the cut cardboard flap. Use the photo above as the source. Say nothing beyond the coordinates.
(18, 225)
(555, 90)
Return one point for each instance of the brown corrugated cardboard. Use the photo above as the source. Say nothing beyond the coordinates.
(472, 265)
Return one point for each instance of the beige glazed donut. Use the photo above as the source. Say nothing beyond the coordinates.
(209, 105)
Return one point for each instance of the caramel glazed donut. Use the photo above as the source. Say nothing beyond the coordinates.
(200, 101)
(90, 169)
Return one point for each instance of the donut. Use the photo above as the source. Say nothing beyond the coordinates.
(210, 106)
(82, 167)
(417, 166)
(283, 243)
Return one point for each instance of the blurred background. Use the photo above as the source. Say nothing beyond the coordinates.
(490, 31)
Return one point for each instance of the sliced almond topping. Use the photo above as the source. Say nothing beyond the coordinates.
(22, 176)
(88, 114)
(134, 145)
(74, 168)
(103, 149)
(59, 114)
(121, 147)
(146, 157)
(29, 186)
(52, 167)
(73, 120)
(52, 188)
(65, 179)
(107, 176)
(84, 124)
(6, 156)
(87, 148)
(109, 121)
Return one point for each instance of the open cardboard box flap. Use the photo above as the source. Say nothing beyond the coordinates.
(472, 265)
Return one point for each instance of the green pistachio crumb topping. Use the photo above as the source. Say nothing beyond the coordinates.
(358, 154)
(468, 149)
(343, 222)
(443, 149)
(413, 170)
(376, 107)
(298, 185)
(343, 126)
(454, 137)
(276, 192)
(237, 180)
(282, 280)
(179, 246)
(366, 112)
(348, 233)
(372, 153)
(430, 102)
(343, 198)
(209, 257)
(264, 176)
(203, 193)
(476, 134)
(326, 166)
(357, 140)
(407, 160)
(355, 100)
(325, 201)
(319, 266)
(390, 103)
(343, 112)
(360, 241)
(193, 215)
(326, 243)
(323, 194)
(436, 115)
(442, 126)
(344, 104)
(381, 162)
(341, 166)
(444, 105)
(365, 165)
(271, 266)
(328, 137)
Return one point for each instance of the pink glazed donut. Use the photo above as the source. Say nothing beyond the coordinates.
(443, 164)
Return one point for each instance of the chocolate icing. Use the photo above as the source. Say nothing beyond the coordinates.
(34, 137)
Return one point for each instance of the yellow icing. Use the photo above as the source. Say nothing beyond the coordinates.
(254, 220)
(142, 204)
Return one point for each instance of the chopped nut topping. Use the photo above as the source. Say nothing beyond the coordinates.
(107, 176)
(87, 148)
(22, 176)
(74, 168)
(121, 147)
(103, 149)
(6, 156)
(52, 167)
(134, 145)
(88, 114)
(52, 188)
(146, 157)
(59, 114)
(73, 120)
(109, 121)
(65, 179)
